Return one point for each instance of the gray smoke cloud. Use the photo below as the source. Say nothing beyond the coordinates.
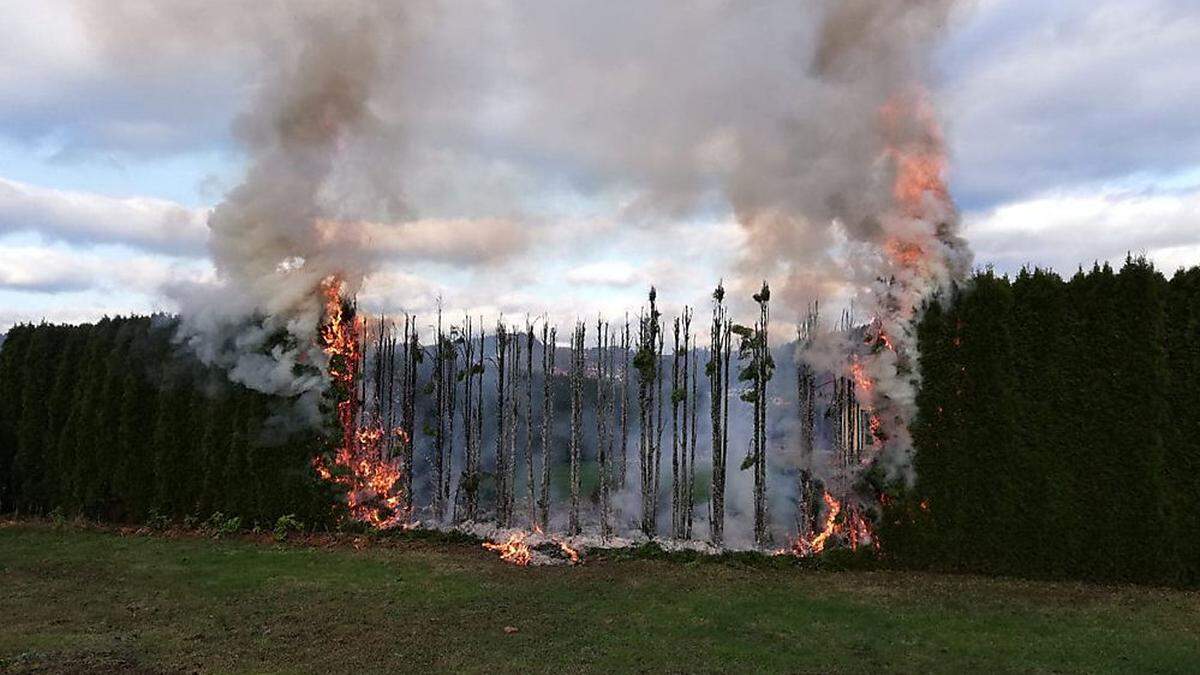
(317, 183)
(270, 239)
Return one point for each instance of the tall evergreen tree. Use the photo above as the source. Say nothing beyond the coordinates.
(1182, 456)
(12, 381)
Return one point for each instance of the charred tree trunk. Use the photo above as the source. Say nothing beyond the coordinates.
(514, 415)
(806, 396)
(693, 403)
(647, 362)
(718, 379)
(613, 427)
(475, 479)
(391, 391)
(446, 394)
(502, 338)
(682, 428)
(465, 492)
(659, 422)
(763, 365)
(412, 353)
(623, 461)
(602, 448)
(529, 481)
(439, 428)
(577, 367)
(548, 357)
(676, 475)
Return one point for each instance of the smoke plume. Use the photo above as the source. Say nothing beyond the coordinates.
(267, 238)
(316, 185)
(896, 209)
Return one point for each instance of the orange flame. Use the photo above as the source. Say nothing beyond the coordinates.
(572, 554)
(372, 481)
(866, 386)
(838, 523)
(915, 150)
(887, 341)
(514, 551)
(915, 147)
(861, 379)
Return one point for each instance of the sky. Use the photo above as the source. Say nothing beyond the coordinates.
(1071, 126)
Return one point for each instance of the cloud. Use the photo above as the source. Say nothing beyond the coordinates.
(74, 88)
(84, 218)
(60, 269)
(75, 308)
(459, 241)
(616, 273)
(1043, 96)
(1063, 230)
(1037, 95)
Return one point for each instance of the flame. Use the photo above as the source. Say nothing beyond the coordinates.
(876, 425)
(372, 481)
(887, 341)
(905, 254)
(840, 524)
(915, 148)
(913, 247)
(861, 379)
(572, 554)
(865, 389)
(514, 551)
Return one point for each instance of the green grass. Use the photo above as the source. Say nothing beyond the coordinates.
(74, 599)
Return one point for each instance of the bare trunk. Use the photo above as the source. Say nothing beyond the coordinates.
(648, 362)
(603, 441)
(624, 458)
(532, 486)
(718, 377)
(577, 366)
(502, 516)
(676, 482)
(548, 358)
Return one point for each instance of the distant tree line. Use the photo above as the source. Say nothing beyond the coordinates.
(106, 420)
(1058, 431)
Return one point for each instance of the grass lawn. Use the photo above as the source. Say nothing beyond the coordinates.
(86, 600)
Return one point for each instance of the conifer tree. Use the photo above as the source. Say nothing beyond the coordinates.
(1183, 449)
(29, 459)
(12, 379)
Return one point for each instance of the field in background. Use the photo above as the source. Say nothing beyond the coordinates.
(88, 600)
